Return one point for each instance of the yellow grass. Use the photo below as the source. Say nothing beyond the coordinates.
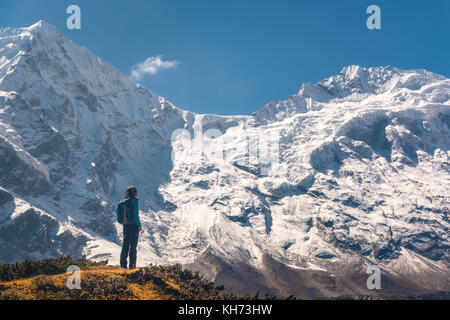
(25, 289)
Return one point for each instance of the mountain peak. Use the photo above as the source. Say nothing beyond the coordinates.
(379, 74)
(19, 38)
(353, 79)
(356, 71)
(41, 25)
(44, 28)
(353, 71)
(353, 83)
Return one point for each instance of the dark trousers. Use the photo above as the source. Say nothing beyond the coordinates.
(130, 241)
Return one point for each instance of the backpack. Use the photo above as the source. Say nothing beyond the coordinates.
(124, 211)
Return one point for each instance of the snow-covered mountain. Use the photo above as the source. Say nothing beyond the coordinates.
(298, 198)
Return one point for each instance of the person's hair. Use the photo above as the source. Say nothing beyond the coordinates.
(131, 192)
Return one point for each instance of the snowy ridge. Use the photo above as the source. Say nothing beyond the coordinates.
(358, 84)
(363, 174)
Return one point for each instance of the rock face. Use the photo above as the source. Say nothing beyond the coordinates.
(298, 198)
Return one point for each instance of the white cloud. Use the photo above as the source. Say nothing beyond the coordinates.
(151, 65)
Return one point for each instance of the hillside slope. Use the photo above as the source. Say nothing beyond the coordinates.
(101, 282)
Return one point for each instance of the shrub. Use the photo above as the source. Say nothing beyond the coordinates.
(100, 287)
(30, 268)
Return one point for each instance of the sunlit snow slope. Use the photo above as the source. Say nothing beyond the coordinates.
(360, 176)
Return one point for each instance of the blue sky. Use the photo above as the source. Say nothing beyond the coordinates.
(233, 57)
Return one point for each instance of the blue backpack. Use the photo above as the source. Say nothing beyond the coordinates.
(124, 211)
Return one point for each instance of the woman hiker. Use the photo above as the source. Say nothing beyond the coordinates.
(131, 229)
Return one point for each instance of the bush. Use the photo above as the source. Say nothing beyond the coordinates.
(191, 285)
(30, 268)
(99, 287)
(44, 283)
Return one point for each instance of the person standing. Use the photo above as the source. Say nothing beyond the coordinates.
(131, 228)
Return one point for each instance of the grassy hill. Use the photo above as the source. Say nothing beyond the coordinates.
(46, 279)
